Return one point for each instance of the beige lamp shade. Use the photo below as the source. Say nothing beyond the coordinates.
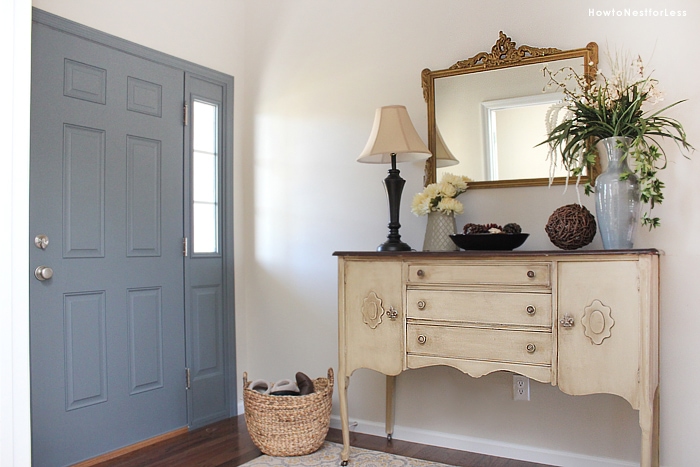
(393, 133)
(443, 155)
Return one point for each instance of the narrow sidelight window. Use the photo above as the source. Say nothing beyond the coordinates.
(205, 177)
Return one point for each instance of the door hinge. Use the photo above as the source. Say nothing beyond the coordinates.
(185, 114)
(188, 381)
(184, 247)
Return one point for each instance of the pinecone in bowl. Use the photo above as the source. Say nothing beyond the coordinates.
(474, 229)
(512, 228)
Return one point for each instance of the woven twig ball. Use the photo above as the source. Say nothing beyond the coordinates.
(571, 227)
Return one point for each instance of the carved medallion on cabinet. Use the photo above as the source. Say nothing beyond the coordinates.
(372, 310)
(597, 322)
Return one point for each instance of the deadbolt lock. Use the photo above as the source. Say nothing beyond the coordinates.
(41, 241)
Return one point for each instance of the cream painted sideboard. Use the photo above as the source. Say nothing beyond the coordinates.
(585, 321)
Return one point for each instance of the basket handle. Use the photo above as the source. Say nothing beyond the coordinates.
(245, 380)
(330, 377)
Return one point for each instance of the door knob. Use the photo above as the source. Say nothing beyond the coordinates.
(43, 273)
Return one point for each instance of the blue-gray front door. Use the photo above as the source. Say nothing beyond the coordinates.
(106, 190)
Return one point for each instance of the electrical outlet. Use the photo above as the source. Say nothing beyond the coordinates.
(521, 388)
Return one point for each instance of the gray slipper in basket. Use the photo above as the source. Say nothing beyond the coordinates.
(284, 387)
(261, 386)
(306, 384)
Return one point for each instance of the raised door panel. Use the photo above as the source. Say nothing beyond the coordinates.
(373, 316)
(599, 328)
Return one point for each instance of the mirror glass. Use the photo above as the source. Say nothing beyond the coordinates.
(486, 115)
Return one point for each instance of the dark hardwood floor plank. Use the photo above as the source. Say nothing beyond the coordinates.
(227, 444)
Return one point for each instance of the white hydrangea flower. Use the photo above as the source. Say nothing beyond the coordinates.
(450, 205)
(457, 181)
(441, 196)
(421, 204)
(447, 189)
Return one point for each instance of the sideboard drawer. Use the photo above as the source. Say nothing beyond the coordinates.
(481, 273)
(488, 344)
(501, 308)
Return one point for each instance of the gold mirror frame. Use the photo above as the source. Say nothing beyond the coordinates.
(504, 54)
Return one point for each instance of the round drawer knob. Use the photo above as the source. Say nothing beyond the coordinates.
(422, 339)
(421, 304)
(531, 274)
(530, 310)
(420, 273)
(531, 348)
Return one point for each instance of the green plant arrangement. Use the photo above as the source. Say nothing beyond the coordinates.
(620, 106)
(440, 197)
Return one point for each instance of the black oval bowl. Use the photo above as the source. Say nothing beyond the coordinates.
(489, 241)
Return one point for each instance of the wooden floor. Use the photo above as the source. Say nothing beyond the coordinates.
(227, 443)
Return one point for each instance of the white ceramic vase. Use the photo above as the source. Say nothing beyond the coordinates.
(438, 230)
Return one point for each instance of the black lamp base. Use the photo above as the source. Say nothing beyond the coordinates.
(393, 185)
(390, 245)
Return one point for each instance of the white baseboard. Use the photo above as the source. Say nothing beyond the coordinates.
(484, 446)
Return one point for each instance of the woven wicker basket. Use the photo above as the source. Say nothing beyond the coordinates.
(289, 425)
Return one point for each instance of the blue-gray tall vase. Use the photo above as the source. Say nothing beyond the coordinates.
(618, 202)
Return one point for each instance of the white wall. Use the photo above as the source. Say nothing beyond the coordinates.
(309, 74)
(316, 70)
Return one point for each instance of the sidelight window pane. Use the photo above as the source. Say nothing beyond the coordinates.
(205, 228)
(205, 127)
(205, 177)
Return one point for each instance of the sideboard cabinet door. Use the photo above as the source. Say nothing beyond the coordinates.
(599, 326)
(373, 315)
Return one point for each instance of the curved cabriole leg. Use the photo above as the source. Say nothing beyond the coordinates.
(649, 422)
(343, 397)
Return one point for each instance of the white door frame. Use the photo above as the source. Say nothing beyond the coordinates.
(15, 48)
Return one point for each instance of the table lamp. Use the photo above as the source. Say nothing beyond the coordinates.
(393, 139)
(443, 155)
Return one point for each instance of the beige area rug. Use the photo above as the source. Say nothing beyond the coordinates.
(329, 456)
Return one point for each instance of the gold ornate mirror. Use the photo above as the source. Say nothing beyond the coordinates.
(486, 114)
